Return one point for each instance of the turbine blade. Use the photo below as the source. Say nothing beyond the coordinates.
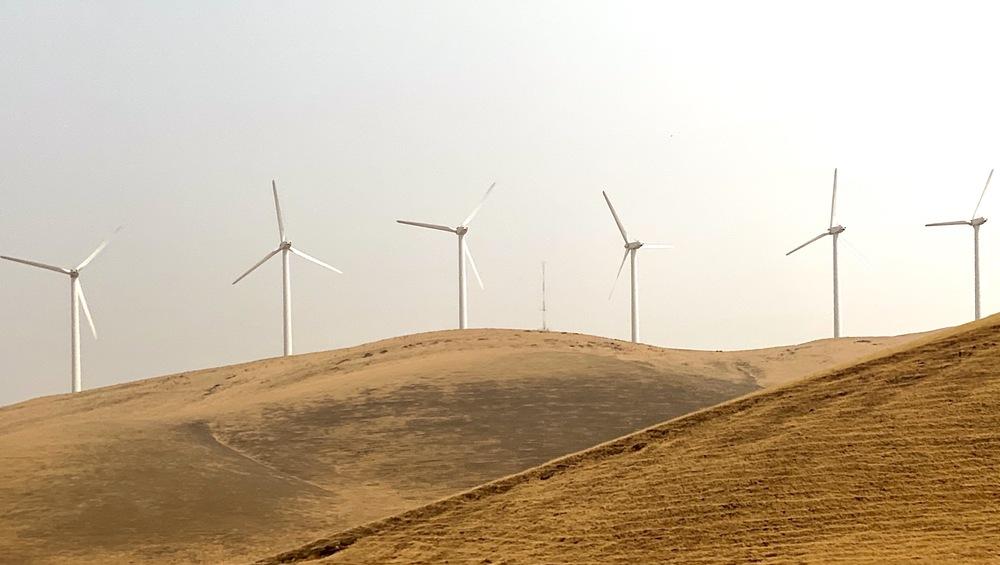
(980, 203)
(472, 263)
(833, 203)
(308, 257)
(98, 250)
(481, 202)
(36, 264)
(956, 223)
(656, 246)
(259, 263)
(618, 276)
(423, 225)
(277, 209)
(86, 309)
(864, 258)
(818, 237)
(618, 221)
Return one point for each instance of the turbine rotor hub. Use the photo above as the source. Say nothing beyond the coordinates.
(837, 229)
(978, 222)
(633, 245)
(462, 230)
(285, 245)
(73, 273)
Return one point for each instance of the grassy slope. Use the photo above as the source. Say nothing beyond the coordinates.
(236, 462)
(894, 459)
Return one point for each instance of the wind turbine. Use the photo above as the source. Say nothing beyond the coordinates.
(545, 325)
(285, 247)
(631, 247)
(976, 223)
(463, 254)
(834, 231)
(77, 299)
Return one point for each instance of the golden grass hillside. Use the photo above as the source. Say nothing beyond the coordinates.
(896, 459)
(232, 463)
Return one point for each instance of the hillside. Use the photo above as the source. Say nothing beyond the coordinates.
(894, 459)
(232, 463)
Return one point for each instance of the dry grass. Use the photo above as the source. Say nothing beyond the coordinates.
(229, 464)
(895, 459)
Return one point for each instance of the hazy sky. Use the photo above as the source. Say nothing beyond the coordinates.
(714, 126)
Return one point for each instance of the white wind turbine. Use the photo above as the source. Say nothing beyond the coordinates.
(976, 223)
(631, 247)
(285, 247)
(834, 231)
(463, 254)
(77, 299)
(545, 325)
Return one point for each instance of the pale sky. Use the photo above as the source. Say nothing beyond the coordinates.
(714, 126)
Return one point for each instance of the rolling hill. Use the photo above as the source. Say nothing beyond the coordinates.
(894, 459)
(232, 463)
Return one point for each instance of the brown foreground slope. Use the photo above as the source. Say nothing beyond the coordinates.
(232, 463)
(895, 459)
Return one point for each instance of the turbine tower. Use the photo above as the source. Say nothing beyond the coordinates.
(631, 248)
(463, 254)
(77, 300)
(976, 223)
(545, 326)
(285, 247)
(835, 232)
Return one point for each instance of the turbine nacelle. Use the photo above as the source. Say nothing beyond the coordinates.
(976, 222)
(633, 245)
(462, 230)
(836, 229)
